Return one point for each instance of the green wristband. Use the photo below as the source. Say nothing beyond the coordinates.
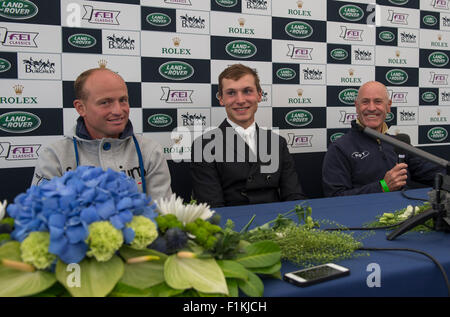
(384, 185)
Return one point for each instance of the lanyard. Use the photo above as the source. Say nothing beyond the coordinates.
(139, 154)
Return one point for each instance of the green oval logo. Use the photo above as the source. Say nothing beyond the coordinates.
(19, 122)
(351, 13)
(339, 54)
(286, 73)
(158, 19)
(299, 118)
(437, 134)
(428, 96)
(81, 40)
(386, 36)
(348, 96)
(176, 70)
(397, 76)
(438, 59)
(241, 49)
(429, 20)
(160, 120)
(5, 65)
(227, 3)
(336, 136)
(389, 117)
(18, 9)
(399, 2)
(299, 30)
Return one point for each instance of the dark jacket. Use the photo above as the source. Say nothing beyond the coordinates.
(239, 181)
(355, 163)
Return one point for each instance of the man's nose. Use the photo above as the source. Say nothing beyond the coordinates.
(240, 97)
(116, 107)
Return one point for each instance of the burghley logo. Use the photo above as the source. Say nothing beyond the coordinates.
(257, 4)
(351, 13)
(19, 122)
(18, 9)
(299, 52)
(348, 96)
(339, 54)
(100, 16)
(351, 34)
(445, 96)
(176, 70)
(296, 140)
(121, 43)
(437, 134)
(407, 115)
(227, 3)
(176, 95)
(5, 65)
(397, 76)
(438, 59)
(406, 37)
(190, 120)
(18, 38)
(286, 73)
(429, 20)
(363, 55)
(81, 40)
(160, 120)
(241, 49)
(192, 22)
(39, 66)
(299, 118)
(397, 17)
(428, 96)
(336, 136)
(386, 36)
(299, 30)
(158, 19)
(312, 74)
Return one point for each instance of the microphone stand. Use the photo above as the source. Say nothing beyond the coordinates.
(439, 196)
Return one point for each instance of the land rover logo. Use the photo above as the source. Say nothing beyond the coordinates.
(19, 122)
(18, 9)
(82, 40)
(389, 117)
(438, 59)
(241, 49)
(348, 96)
(227, 3)
(351, 13)
(176, 70)
(160, 120)
(399, 2)
(299, 118)
(386, 36)
(437, 134)
(429, 96)
(336, 136)
(158, 19)
(396, 76)
(286, 73)
(299, 30)
(4, 65)
(339, 54)
(429, 20)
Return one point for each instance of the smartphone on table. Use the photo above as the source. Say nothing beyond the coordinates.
(316, 274)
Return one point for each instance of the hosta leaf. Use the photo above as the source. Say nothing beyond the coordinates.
(19, 283)
(269, 270)
(233, 287)
(233, 269)
(254, 287)
(97, 279)
(260, 254)
(204, 275)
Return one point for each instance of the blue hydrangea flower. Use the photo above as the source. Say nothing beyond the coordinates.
(65, 207)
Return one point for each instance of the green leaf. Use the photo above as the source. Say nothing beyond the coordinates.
(123, 290)
(164, 290)
(260, 254)
(96, 279)
(233, 269)
(233, 287)
(203, 275)
(146, 274)
(254, 287)
(19, 283)
(269, 270)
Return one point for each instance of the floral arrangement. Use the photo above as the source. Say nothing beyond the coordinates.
(91, 233)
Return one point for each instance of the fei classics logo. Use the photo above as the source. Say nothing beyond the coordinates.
(18, 9)
(81, 40)
(396, 76)
(176, 70)
(299, 118)
(299, 30)
(19, 122)
(241, 49)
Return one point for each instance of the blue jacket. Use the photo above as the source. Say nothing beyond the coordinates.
(355, 163)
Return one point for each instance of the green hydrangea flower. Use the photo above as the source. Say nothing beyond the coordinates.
(103, 240)
(34, 250)
(145, 232)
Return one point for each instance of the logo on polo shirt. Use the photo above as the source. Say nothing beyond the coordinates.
(360, 155)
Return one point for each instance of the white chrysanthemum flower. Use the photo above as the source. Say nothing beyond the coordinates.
(184, 213)
(3, 209)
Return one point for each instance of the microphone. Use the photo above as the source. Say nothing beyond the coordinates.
(401, 153)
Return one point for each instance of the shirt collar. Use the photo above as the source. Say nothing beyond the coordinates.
(240, 130)
(384, 128)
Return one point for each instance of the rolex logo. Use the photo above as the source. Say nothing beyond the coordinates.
(438, 112)
(351, 71)
(178, 139)
(397, 53)
(241, 21)
(300, 4)
(300, 92)
(439, 37)
(102, 63)
(18, 89)
(176, 41)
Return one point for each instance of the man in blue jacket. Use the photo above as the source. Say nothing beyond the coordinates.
(358, 164)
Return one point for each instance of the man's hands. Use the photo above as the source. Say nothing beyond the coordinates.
(396, 177)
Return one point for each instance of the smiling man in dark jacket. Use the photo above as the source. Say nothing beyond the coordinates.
(358, 164)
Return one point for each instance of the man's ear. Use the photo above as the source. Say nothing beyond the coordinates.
(80, 107)
(220, 100)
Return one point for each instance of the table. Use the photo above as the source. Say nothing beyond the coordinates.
(402, 273)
